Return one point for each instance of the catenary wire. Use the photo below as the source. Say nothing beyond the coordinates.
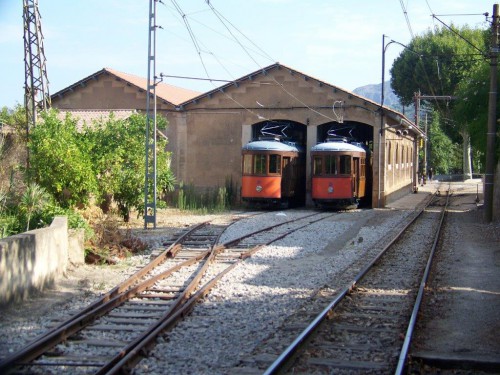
(196, 44)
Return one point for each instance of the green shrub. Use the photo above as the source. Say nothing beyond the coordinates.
(75, 219)
(9, 225)
(217, 199)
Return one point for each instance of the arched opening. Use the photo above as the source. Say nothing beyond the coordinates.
(286, 130)
(279, 146)
(351, 130)
(358, 134)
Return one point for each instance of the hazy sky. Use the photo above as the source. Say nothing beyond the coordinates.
(337, 41)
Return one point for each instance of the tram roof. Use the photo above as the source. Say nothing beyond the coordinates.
(337, 146)
(270, 146)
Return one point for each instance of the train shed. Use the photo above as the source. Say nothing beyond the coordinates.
(207, 131)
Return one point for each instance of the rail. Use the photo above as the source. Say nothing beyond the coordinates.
(285, 359)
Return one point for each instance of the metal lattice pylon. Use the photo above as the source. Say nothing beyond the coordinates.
(36, 84)
(150, 181)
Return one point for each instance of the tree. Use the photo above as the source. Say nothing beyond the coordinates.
(59, 162)
(442, 150)
(472, 108)
(436, 64)
(117, 148)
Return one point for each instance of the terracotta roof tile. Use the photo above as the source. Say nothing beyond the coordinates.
(173, 94)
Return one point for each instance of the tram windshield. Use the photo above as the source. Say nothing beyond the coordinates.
(345, 164)
(259, 164)
(275, 164)
(247, 164)
(318, 166)
(330, 164)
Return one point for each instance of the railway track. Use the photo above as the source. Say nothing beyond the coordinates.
(110, 335)
(367, 326)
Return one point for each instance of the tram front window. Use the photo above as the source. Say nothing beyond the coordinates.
(275, 164)
(247, 164)
(345, 164)
(317, 166)
(330, 164)
(259, 164)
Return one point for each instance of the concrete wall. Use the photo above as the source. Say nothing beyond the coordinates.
(33, 260)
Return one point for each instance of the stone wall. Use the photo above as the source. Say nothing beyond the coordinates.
(34, 259)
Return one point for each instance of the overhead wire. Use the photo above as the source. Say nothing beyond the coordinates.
(191, 34)
(427, 78)
(221, 16)
(405, 12)
(458, 34)
(224, 20)
(436, 57)
(217, 13)
(198, 50)
(260, 52)
(408, 23)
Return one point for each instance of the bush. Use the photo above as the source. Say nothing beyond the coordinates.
(60, 161)
(9, 225)
(75, 219)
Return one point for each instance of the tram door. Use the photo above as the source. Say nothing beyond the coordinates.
(355, 177)
(286, 178)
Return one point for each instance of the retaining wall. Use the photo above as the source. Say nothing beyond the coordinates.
(32, 260)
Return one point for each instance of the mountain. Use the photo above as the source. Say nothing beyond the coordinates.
(372, 92)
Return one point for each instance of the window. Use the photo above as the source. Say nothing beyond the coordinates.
(275, 164)
(318, 166)
(363, 167)
(247, 164)
(345, 164)
(259, 164)
(330, 164)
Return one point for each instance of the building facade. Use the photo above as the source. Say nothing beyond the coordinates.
(207, 131)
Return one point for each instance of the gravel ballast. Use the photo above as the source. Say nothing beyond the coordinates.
(243, 309)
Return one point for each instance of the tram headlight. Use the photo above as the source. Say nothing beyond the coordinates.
(330, 189)
(258, 188)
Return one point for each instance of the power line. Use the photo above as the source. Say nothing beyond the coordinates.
(458, 34)
(405, 12)
(223, 21)
(195, 43)
(461, 14)
(278, 83)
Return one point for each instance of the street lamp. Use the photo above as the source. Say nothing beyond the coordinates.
(384, 49)
(382, 97)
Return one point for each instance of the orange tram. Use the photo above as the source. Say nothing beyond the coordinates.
(339, 173)
(273, 173)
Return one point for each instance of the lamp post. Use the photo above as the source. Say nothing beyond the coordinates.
(381, 132)
(382, 98)
(384, 50)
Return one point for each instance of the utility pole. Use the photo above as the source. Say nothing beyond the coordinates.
(425, 146)
(492, 108)
(36, 83)
(150, 167)
(416, 167)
